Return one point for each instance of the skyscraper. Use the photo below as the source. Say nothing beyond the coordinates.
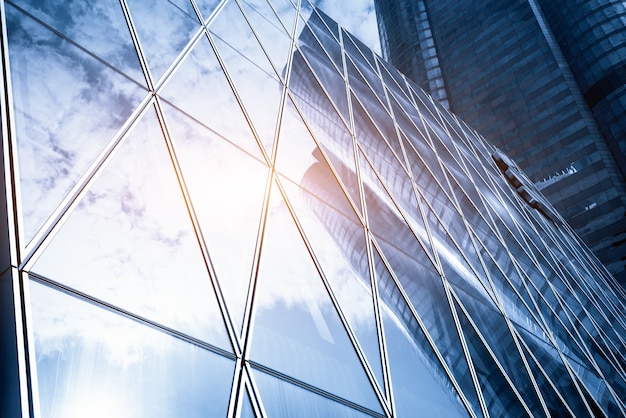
(542, 80)
(235, 208)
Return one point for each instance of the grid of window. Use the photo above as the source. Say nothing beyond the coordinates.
(543, 81)
(234, 208)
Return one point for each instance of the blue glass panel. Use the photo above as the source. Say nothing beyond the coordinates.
(338, 241)
(207, 7)
(164, 28)
(270, 32)
(226, 186)
(246, 406)
(282, 399)
(259, 92)
(87, 23)
(418, 379)
(92, 362)
(297, 330)
(57, 105)
(130, 242)
(416, 387)
(497, 392)
(200, 89)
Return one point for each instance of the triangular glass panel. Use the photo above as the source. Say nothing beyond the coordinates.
(299, 159)
(385, 219)
(366, 84)
(313, 79)
(283, 399)
(91, 361)
(200, 89)
(380, 139)
(78, 24)
(232, 29)
(425, 292)
(393, 78)
(337, 239)
(245, 405)
(452, 254)
(330, 26)
(259, 92)
(51, 73)
(333, 138)
(164, 29)
(271, 34)
(207, 7)
(297, 329)
(286, 12)
(226, 186)
(360, 54)
(498, 393)
(418, 380)
(130, 242)
(314, 40)
(552, 378)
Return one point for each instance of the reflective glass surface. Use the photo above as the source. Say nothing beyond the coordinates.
(265, 218)
(93, 362)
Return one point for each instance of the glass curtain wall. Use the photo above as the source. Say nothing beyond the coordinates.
(235, 208)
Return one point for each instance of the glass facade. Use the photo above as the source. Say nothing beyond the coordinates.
(234, 208)
(541, 80)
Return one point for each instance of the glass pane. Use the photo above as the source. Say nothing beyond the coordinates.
(271, 33)
(338, 241)
(286, 12)
(282, 399)
(417, 379)
(130, 242)
(207, 7)
(547, 364)
(259, 91)
(57, 106)
(424, 289)
(231, 28)
(297, 330)
(164, 28)
(498, 394)
(92, 362)
(226, 187)
(87, 23)
(200, 89)
(246, 406)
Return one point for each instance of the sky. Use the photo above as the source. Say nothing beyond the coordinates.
(357, 16)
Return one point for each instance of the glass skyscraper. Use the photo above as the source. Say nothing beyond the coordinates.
(235, 208)
(545, 81)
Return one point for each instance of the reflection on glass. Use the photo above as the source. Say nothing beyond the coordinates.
(57, 107)
(94, 363)
(351, 288)
(414, 386)
(227, 188)
(200, 89)
(259, 91)
(271, 33)
(164, 28)
(88, 23)
(282, 399)
(246, 406)
(297, 330)
(131, 243)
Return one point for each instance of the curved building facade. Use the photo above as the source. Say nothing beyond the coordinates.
(544, 82)
(235, 209)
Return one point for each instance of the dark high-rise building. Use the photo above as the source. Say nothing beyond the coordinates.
(234, 208)
(545, 81)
